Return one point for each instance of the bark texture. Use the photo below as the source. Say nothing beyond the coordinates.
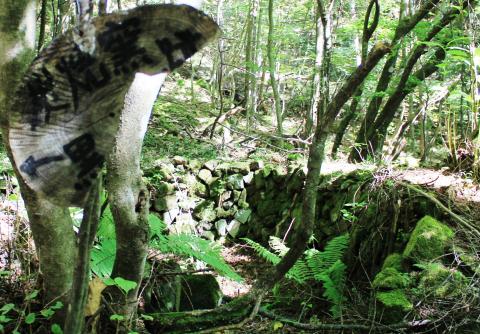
(51, 225)
(127, 193)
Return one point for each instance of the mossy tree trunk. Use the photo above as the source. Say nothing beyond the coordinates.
(51, 225)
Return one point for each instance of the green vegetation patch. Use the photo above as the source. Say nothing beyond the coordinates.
(444, 282)
(428, 240)
(394, 260)
(391, 278)
(395, 299)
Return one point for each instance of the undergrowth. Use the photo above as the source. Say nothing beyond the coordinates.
(184, 245)
(325, 267)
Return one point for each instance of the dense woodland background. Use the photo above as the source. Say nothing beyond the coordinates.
(382, 96)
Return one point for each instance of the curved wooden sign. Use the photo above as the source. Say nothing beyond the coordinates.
(70, 101)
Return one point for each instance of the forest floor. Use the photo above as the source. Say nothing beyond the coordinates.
(176, 130)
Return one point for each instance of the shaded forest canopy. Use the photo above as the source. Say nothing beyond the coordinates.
(313, 168)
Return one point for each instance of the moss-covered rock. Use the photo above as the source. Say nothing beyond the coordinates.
(268, 207)
(391, 278)
(395, 300)
(240, 167)
(235, 182)
(205, 175)
(226, 213)
(166, 203)
(164, 188)
(428, 240)
(217, 188)
(394, 260)
(442, 281)
(199, 292)
(205, 211)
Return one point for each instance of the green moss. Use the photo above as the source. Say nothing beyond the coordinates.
(442, 281)
(217, 188)
(428, 240)
(391, 278)
(395, 299)
(394, 260)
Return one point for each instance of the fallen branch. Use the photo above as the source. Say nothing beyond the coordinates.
(345, 326)
(462, 222)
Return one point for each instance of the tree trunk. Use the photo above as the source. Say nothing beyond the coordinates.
(361, 53)
(387, 114)
(51, 225)
(128, 195)
(303, 231)
(250, 59)
(375, 134)
(405, 25)
(320, 46)
(271, 65)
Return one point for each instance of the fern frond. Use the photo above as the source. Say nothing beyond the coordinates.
(262, 251)
(300, 272)
(102, 257)
(198, 248)
(333, 252)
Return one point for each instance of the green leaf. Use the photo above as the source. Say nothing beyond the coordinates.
(30, 318)
(102, 257)
(7, 308)
(57, 306)
(109, 282)
(47, 313)
(124, 284)
(32, 295)
(146, 317)
(117, 317)
(56, 329)
(4, 319)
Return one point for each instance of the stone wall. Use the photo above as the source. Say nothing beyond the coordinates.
(220, 199)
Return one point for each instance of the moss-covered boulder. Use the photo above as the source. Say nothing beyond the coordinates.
(395, 300)
(428, 241)
(391, 278)
(443, 282)
(205, 211)
(394, 260)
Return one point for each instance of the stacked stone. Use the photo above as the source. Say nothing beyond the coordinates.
(207, 199)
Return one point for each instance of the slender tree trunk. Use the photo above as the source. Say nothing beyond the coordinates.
(271, 65)
(377, 139)
(250, 59)
(405, 25)
(304, 229)
(43, 23)
(352, 112)
(317, 71)
(220, 68)
(128, 195)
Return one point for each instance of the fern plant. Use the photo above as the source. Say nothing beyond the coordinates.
(324, 266)
(186, 245)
